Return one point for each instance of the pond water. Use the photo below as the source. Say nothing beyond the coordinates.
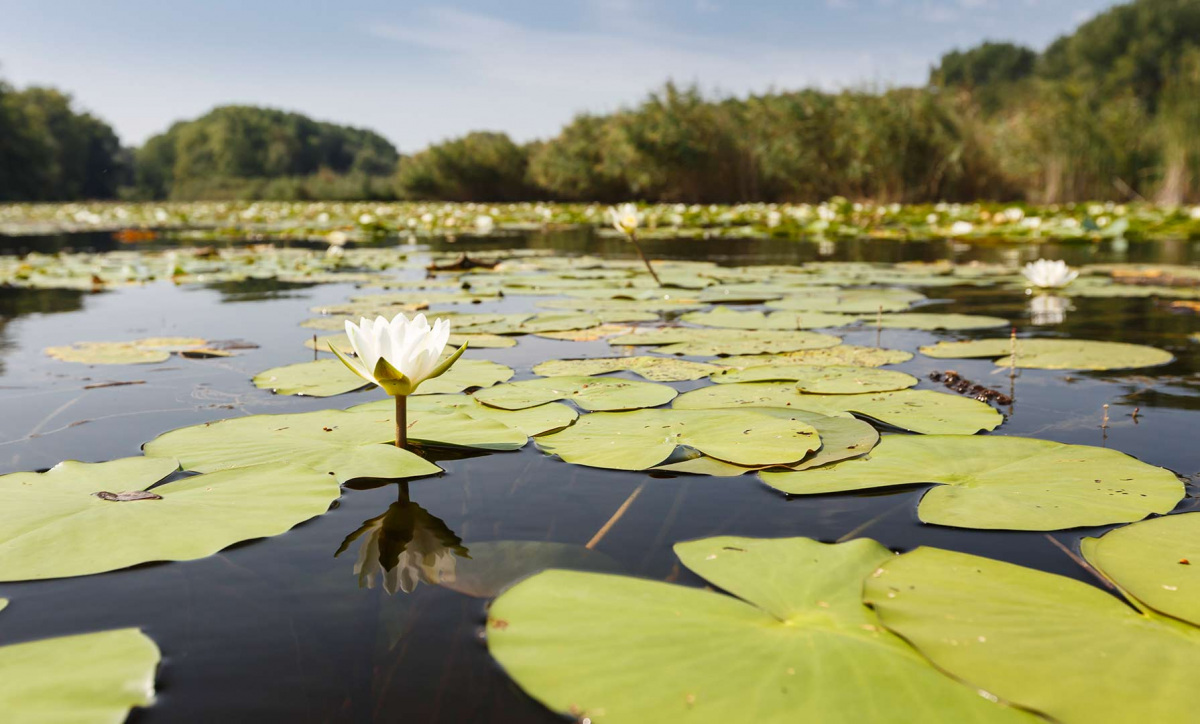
(279, 630)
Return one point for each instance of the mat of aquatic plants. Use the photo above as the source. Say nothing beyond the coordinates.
(857, 480)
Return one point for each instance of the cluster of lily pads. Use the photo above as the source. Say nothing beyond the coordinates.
(835, 218)
(824, 632)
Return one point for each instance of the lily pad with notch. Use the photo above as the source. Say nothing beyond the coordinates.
(656, 369)
(843, 354)
(822, 379)
(1054, 354)
(590, 393)
(727, 318)
(531, 421)
(706, 342)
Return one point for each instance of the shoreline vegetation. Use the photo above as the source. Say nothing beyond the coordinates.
(1107, 113)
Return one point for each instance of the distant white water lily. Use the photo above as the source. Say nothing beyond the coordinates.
(335, 251)
(398, 356)
(1046, 309)
(1046, 274)
(625, 218)
(1195, 213)
(961, 228)
(484, 224)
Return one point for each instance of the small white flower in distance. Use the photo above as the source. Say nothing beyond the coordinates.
(625, 218)
(1046, 274)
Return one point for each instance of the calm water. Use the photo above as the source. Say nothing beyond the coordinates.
(278, 630)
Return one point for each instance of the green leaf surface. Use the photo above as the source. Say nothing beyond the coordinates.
(92, 677)
(850, 301)
(644, 438)
(53, 521)
(331, 441)
(843, 354)
(1055, 354)
(1044, 642)
(140, 351)
(713, 342)
(656, 369)
(590, 393)
(1156, 561)
(997, 482)
(329, 377)
(475, 341)
(796, 644)
(531, 421)
(732, 319)
(922, 411)
(822, 379)
(930, 322)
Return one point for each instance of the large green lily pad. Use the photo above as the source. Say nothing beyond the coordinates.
(822, 379)
(331, 441)
(92, 677)
(850, 301)
(1009, 483)
(843, 354)
(1156, 561)
(657, 369)
(644, 438)
(56, 526)
(329, 377)
(842, 438)
(923, 411)
(590, 393)
(733, 319)
(797, 645)
(926, 321)
(1052, 644)
(713, 342)
(1055, 354)
(531, 421)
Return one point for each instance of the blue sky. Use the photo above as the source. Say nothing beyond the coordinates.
(420, 72)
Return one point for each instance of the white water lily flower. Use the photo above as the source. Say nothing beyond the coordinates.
(1046, 274)
(335, 251)
(625, 218)
(484, 224)
(1195, 213)
(398, 355)
(961, 228)
(337, 238)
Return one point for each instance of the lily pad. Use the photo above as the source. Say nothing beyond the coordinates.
(532, 421)
(850, 301)
(843, 354)
(732, 319)
(923, 411)
(331, 441)
(644, 438)
(955, 322)
(1048, 643)
(329, 377)
(822, 379)
(474, 341)
(1055, 354)
(140, 351)
(617, 649)
(714, 342)
(1156, 561)
(996, 482)
(657, 369)
(496, 565)
(54, 520)
(590, 393)
(92, 677)
(842, 438)
(589, 334)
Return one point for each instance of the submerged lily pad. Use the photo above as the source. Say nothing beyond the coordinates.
(332, 441)
(496, 565)
(843, 354)
(532, 421)
(617, 649)
(1049, 643)
(329, 377)
(924, 411)
(714, 342)
(92, 677)
(590, 393)
(54, 522)
(657, 369)
(644, 438)
(1156, 561)
(1055, 354)
(842, 438)
(822, 379)
(140, 351)
(1009, 483)
(956, 322)
(732, 319)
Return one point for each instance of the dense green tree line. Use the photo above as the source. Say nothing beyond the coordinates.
(1111, 111)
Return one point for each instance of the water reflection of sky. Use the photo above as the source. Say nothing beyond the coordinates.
(282, 630)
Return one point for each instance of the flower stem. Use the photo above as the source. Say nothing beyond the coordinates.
(642, 254)
(402, 422)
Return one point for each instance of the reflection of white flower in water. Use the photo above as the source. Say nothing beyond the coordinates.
(1046, 274)
(404, 546)
(1046, 309)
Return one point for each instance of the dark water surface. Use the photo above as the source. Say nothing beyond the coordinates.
(279, 630)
